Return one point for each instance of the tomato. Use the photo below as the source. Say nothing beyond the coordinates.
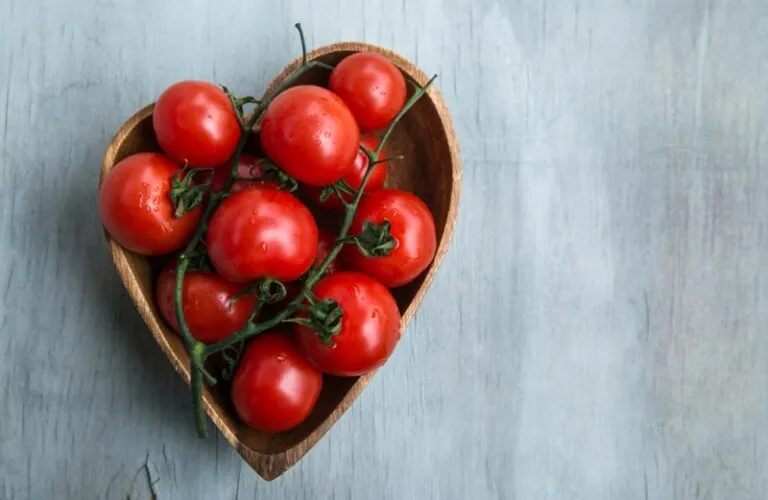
(325, 243)
(412, 227)
(262, 232)
(310, 133)
(372, 87)
(274, 388)
(370, 326)
(195, 124)
(136, 208)
(208, 302)
(248, 167)
(354, 178)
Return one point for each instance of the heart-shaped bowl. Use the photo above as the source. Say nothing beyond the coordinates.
(431, 169)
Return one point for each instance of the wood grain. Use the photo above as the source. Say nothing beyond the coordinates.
(597, 328)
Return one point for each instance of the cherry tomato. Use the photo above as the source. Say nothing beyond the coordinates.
(370, 326)
(354, 178)
(136, 208)
(274, 388)
(373, 88)
(325, 243)
(262, 232)
(412, 227)
(248, 167)
(208, 302)
(309, 132)
(195, 123)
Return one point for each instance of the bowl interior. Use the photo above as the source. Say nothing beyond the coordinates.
(426, 170)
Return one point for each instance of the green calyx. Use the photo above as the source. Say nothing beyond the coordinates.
(375, 240)
(324, 317)
(271, 291)
(185, 194)
(271, 172)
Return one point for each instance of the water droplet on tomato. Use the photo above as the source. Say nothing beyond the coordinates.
(264, 247)
(281, 358)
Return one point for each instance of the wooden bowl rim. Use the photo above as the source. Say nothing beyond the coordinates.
(269, 466)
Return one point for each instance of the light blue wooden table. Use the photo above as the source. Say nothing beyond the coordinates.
(598, 331)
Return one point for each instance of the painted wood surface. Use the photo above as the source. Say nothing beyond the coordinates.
(599, 329)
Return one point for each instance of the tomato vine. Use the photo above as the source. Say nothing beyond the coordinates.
(324, 316)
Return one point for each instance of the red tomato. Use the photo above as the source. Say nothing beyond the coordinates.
(325, 243)
(136, 207)
(412, 227)
(372, 87)
(208, 305)
(262, 232)
(370, 326)
(274, 388)
(248, 167)
(355, 176)
(309, 132)
(195, 123)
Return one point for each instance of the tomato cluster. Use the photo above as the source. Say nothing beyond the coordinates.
(247, 238)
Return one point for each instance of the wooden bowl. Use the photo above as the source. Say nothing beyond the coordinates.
(431, 169)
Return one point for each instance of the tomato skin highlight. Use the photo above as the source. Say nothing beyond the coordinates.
(274, 388)
(136, 208)
(354, 178)
(412, 227)
(195, 123)
(262, 232)
(370, 326)
(371, 86)
(208, 302)
(311, 134)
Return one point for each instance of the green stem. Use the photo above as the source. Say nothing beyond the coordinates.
(420, 91)
(338, 191)
(198, 353)
(314, 276)
(389, 159)
(303, 43)
(252, 329)
(194, 348)
(344, 187)
(189, 340)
